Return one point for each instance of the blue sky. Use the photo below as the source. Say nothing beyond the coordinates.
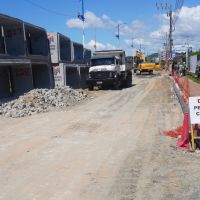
(142, 23)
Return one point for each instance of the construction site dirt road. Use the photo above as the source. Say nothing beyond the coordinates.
(111, 147)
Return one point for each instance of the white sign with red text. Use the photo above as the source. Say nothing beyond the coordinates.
(53, 44)
(58, 71)
(194, 105)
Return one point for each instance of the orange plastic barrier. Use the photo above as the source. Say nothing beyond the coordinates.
(184, 141)
(174, 133)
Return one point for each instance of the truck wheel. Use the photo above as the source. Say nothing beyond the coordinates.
(117, 85)
(138, 72)
(150, 71)
(129, 80)
(90, 87)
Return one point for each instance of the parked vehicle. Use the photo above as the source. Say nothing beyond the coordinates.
(197, 72)
(108, 68)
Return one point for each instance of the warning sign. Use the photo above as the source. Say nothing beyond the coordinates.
(194, 105)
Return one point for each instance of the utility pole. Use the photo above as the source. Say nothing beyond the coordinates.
(82, 18)
(187, 52)
(118, 32)
(170, 37)
(166, 48)
(168, 8)
(95, 40)
(170, 32)
(132, 46)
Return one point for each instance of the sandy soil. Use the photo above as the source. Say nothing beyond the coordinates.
(109, 147)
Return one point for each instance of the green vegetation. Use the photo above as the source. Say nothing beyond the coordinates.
(150, 58)
(195, 53)
(193, 78)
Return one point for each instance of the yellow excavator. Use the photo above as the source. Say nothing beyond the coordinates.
(142, 66)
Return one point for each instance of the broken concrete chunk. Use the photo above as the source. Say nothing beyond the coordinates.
(41, 100)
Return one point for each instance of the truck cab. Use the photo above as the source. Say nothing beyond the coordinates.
(104, 71)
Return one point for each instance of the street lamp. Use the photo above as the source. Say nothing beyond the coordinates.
(117, 35)
(132, 46)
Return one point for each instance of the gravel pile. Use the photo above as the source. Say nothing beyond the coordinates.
(41, 100)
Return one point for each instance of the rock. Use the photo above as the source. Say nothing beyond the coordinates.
(41, 100)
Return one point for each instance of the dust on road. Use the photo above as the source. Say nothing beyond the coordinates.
(110, 147)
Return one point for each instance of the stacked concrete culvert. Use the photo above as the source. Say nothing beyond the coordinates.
(25, 61)
(41, 100)
(70, 61)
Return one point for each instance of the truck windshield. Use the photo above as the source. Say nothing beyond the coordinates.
(103, 61)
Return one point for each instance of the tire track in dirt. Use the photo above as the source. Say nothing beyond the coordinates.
(136, 178)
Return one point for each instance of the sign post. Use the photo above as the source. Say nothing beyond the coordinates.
(194, 106)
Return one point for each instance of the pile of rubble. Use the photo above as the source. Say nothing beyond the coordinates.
(41, 100)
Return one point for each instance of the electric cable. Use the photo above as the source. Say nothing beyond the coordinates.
(46, 9)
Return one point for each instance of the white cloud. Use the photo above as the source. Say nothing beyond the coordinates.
(74, 23)
(137, 42)
(91, 20)
(188, 22)
(161, 32)
(105, 17)
(126, 30)
(105, 22)
(99, 45)
(110, 24)
(136, 24)
(187, 26)
(134, 30)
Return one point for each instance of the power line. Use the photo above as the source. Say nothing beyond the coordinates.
(46, 9)
(178, 7)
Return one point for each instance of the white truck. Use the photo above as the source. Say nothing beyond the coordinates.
(108, 68)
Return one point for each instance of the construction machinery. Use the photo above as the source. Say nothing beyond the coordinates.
(142, 66)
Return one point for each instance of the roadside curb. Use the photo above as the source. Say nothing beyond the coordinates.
(180, 95)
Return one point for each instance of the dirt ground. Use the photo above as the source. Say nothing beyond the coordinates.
(110, 147)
